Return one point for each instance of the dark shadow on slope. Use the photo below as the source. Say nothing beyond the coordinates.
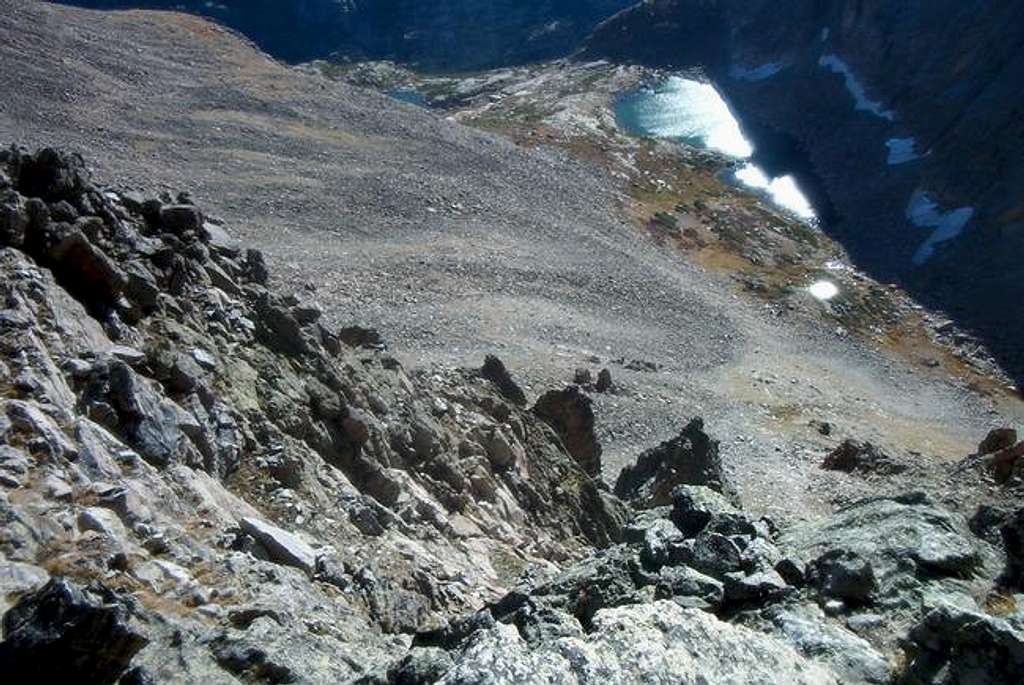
(441, 35)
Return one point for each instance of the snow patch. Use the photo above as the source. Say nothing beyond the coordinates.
(924, 212)
(901, 150)
(759, 73)
(783, 190)
(823, 290)
(862, 102)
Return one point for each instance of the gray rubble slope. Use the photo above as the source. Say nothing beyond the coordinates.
(458, 243)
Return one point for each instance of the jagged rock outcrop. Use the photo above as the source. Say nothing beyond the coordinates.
(1000, 455)
(1012, 534)
(62, 634)
(494, 370)
(806, 627)
(955, 645)
(691, 458)
(661, 640)
(864, 458)
(891, 559)
(570, 413)
(693, 566)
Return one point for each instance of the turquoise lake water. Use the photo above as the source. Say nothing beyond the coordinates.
(693, 112)
(410, 95)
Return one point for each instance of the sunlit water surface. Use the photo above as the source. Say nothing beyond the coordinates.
(693, 112)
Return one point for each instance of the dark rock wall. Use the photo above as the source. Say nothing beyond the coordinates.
(452, 34)
(946, 73)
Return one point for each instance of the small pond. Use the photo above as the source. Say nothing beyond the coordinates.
(410, 95)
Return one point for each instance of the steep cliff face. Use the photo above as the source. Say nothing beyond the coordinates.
(450, 34)
(901, 119)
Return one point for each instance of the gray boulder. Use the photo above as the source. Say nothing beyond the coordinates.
(712, 554)
(661, 544)
(140, 284)
(282, 547)
(851, 657)
(18, 578)
(612, 577)
(955, 645)
(987, 522)
(907, 541)
(694, 506)
(219, 240)
(844, 575)
(84, 269)
(657, 642)
(758, 587)
(689, 588)
(52, 175)
(1012, 533)
(256, 267)
(636, 528)
(421, 666)
(150, 423)
(13, 220)
(181, 219)
(104, 522)
(61, 634)
(278, 329)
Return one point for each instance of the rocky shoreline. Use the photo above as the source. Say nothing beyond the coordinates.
(202, 482)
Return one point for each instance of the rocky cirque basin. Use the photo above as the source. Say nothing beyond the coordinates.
(461, 244)
(899, 118)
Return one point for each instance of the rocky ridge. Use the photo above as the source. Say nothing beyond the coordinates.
(203, 483)
(177, 431)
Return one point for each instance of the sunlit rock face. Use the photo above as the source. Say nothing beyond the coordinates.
(900, 121)
(445, 34)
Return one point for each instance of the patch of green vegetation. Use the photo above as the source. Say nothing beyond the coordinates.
(335, 70)
(802, 233)
(666, 221)
(507, 566)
